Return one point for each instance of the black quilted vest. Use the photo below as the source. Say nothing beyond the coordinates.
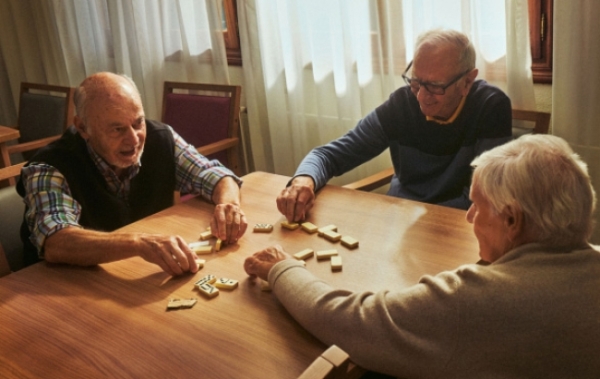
(151, 190)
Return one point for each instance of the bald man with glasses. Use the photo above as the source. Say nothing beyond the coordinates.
(434, 127)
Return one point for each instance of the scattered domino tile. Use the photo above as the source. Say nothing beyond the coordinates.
(326, 254)
(264, 286)
(336, 263)
(332, 235)
(290, 225)
(193, 245)
(306, 253)
(181, 303)
(349, 242)
(200, 262)
(309, 227)
(208, 290)
(188, 303)
(208, 279)
(206, 235)
(225, 283)
(263, 228)
(218, 244)
(174, 304)
(200, 250)
(326, 228)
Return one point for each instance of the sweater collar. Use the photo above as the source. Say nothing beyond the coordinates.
(453, 117)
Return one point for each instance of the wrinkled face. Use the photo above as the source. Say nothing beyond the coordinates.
(440, 65)
(490, 228)
(115, 126)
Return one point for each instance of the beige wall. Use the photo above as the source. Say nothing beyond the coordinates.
(543, 97)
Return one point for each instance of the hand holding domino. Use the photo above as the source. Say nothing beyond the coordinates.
(296, 200)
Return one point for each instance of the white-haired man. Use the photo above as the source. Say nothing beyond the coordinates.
(434, 127)
(531, 312)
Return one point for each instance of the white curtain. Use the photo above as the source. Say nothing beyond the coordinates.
(313, 68)
(576, 83)
(62, 41)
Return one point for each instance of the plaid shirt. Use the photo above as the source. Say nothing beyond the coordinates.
(51, 207)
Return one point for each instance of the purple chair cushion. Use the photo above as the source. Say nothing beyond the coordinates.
(200, 120)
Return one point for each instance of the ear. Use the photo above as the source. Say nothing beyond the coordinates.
(514, 222)
(469, 80)
(81, 128)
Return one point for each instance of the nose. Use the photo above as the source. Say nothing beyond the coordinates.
(132, 136)
(469, 215)
(423, 94)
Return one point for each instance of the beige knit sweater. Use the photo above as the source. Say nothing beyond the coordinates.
(534, 313)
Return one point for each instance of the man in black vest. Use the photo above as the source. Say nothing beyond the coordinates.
(95, 179)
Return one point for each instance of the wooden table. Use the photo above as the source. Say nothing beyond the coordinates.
(6, 134)
(111, 320)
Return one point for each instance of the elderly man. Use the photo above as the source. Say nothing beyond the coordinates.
(532, 312)
(434, 127)
(112, 168)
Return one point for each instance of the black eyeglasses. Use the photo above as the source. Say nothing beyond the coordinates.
(436, 89)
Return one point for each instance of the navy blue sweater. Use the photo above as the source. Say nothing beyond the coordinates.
(431, 161)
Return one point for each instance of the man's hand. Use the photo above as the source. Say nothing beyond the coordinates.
(82, 247)
(295, 201)
(171, 253)
(261, 263)
(228, 223)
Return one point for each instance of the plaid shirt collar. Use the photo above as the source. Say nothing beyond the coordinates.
(119, 186)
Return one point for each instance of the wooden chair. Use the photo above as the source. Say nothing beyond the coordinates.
(11, 217)
(541, 124)
(208, 117)
(45, 112)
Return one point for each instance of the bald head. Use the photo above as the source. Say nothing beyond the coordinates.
(103, 86)
(110, 117)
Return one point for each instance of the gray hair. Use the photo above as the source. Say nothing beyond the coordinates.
(455, 38)
(81, 98)
(541, 176)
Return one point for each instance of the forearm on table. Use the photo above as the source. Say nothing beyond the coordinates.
(84, 247)
(227, 191)
(372, 327)
(366, 141)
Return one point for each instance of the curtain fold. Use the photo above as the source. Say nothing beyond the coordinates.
(314, 68)
(63, 41)
(576, 83)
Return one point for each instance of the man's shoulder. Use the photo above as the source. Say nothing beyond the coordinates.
(482, 88)
(156, 125)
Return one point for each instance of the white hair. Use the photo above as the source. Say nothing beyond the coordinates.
(541, 176)
(464, 47)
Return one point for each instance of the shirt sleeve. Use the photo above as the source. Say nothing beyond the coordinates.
(405, 332)
(366, 141)
(196, 174)
(49, 204)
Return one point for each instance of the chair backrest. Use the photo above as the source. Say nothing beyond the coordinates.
(205, 114)
(11, 217)
(540, 120)
(45, 112)
(334, 363)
